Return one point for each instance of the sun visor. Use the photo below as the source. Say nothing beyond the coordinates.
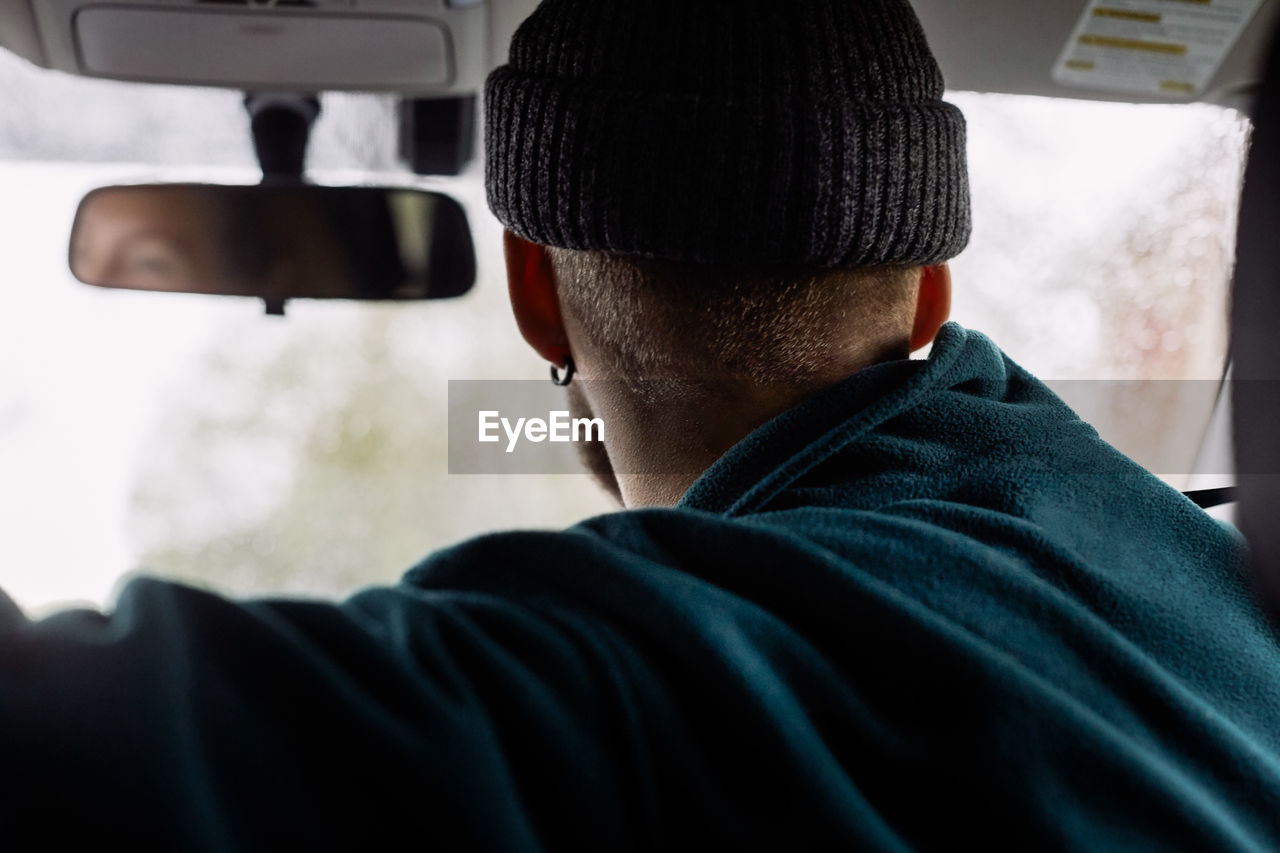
(287, 51)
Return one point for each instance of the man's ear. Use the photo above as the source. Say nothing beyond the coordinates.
(531, 283)
(933, 305)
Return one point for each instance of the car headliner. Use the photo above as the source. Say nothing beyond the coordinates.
(1007, 46)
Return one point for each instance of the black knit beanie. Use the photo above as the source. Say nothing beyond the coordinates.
(808, 133)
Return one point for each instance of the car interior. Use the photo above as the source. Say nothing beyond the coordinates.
(414, 233)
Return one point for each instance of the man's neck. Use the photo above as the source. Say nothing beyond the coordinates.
(662, 447)
(667, 446)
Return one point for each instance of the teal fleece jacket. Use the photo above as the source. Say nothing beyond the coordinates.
(925, 609)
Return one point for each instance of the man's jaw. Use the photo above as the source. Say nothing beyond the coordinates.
(593, 454)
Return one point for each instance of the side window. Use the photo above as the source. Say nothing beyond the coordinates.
(1103, 246)
(1104, 234)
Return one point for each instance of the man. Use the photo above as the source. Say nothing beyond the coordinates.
(872, 602)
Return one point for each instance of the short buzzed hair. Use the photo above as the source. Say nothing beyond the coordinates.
(660, 319)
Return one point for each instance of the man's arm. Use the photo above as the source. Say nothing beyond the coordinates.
(187, 720)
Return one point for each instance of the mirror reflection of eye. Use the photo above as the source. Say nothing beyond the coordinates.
(150, 255)
(152, 258)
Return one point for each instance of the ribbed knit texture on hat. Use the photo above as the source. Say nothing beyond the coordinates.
(791, 132)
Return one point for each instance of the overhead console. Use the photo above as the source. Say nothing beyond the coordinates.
(424, 47)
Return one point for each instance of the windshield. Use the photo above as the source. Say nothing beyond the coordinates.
(196, 438)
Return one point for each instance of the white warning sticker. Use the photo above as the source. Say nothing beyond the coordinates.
(1152, 47)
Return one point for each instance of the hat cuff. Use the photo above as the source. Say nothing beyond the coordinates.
(765, 181)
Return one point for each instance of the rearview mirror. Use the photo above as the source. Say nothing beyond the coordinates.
(275, 242)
